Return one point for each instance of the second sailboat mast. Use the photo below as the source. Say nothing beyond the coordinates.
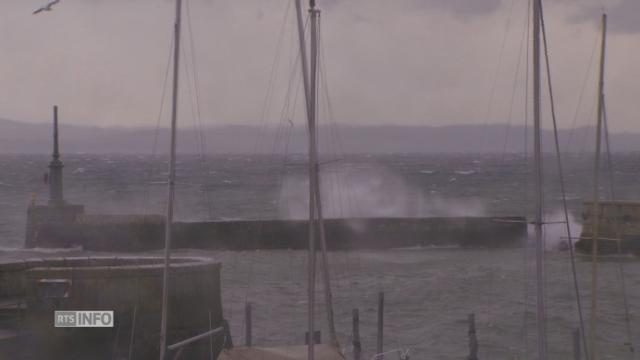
(540, 303)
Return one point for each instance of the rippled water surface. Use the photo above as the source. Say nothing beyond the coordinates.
(428, 291)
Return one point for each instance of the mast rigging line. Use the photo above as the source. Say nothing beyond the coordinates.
(154, 147)
(495, 77)
(266, 105)
(513, 90)
(309, 76)
(581, 96)
(596, 197)
(625, 300)
(340, 182)
(198, 126)
(562, 182)
(507, 129)
(526, 247)
(539, 199)
(287, 111)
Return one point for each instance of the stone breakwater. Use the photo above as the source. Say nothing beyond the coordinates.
(143, 233)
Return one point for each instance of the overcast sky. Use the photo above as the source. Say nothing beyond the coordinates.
(431, 62)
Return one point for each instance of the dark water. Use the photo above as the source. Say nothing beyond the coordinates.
(429, 292)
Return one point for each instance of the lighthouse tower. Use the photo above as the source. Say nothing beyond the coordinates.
(56, 196)
(50, 225)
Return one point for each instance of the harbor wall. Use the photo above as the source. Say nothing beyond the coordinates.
(617, 220)
(147, 233)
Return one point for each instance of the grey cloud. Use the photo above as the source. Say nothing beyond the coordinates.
(462, 8)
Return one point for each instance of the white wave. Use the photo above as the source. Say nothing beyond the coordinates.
(465, 172)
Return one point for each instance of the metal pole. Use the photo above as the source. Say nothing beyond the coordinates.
(193, 339)
(313, 165)
(540, 303)
(312, 247)
(379, 344)
(171, 184)
(326, 277)
(596, 201)
(247, 324)
(357, 345)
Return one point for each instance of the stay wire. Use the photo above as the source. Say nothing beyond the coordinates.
(562, 183)
(270, 85)
(581, 96)
(494, 84)
(527, 268)
(513, 91)
(285, 109)
(625, 300)
(154, 149)
(202, 141)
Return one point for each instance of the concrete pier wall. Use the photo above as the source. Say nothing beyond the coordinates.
(619, 219)
(357, 233)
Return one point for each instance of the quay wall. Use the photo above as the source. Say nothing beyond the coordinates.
(355, 233)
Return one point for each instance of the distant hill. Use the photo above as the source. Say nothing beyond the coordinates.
(20, 137)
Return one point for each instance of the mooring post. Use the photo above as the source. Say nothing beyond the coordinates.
(357, 345)
(473, 340)
(226, 329)
(379, 347)
(576, 345)
(247, 324)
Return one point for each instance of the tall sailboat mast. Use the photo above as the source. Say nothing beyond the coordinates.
(311, 281)
(326, 278)
(171, 182)
(540, 303)
(316, 223)
(596, 198)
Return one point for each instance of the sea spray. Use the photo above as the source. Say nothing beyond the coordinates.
(555, 232)
(370, 191)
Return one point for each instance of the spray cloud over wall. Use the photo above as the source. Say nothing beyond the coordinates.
(351, 191)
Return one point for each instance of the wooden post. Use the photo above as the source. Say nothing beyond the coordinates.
(228, 341)
(357, 345)
(473, 340)
(576, 345)
(247, 324)
(379, 347)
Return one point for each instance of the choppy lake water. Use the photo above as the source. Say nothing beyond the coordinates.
(429, 291)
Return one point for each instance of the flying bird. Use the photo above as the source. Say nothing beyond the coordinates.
(46, 7)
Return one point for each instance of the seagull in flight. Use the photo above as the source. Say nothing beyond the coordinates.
(46, 7)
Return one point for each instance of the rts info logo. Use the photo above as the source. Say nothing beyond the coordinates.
(83, 319)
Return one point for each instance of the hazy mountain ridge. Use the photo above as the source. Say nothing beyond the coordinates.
(21, 137)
